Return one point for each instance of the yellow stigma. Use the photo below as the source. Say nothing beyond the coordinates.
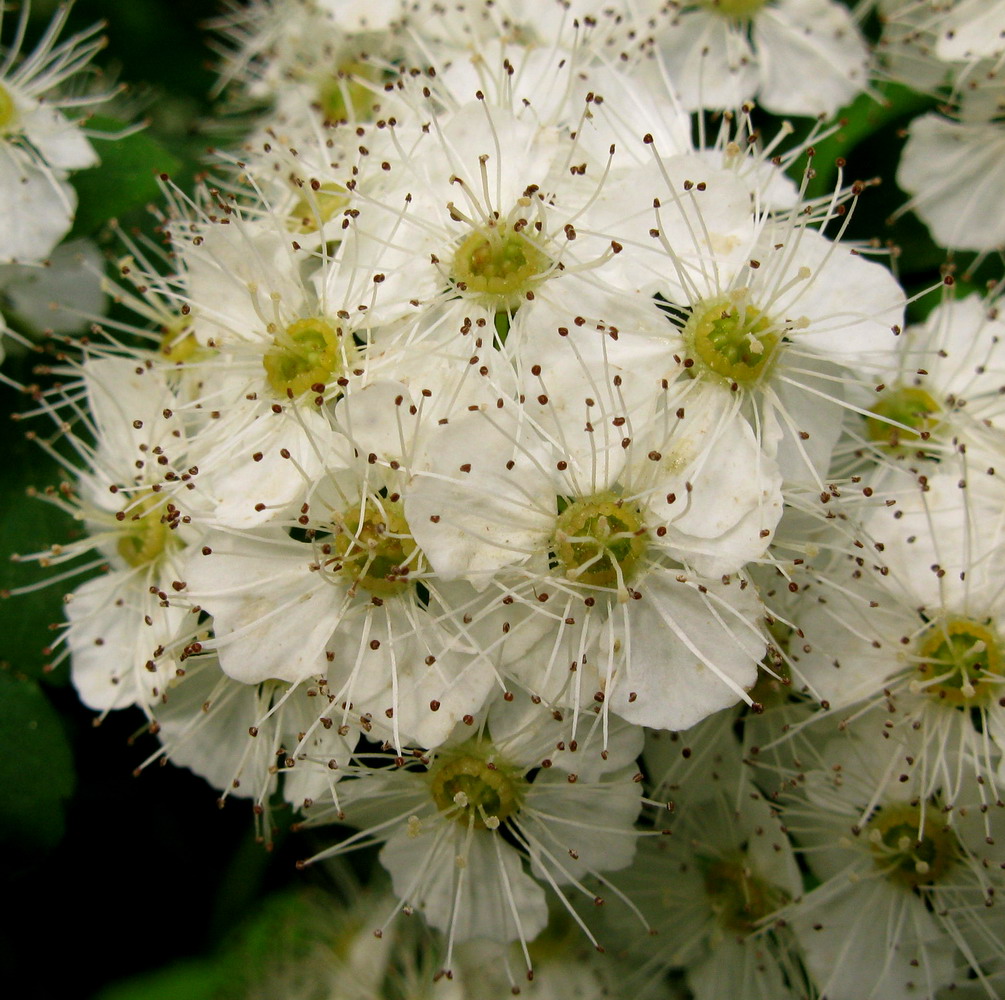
(307, 353)
(8, 110)
(908, 852)
(735, 10)
(499, 264)
(738, 897)
(471, 780)
(375, 549)
(146, 529)
(599, 540)
(731, 338)
(908, 405)
(962, 662)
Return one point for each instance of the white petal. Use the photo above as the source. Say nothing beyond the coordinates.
(954, 172)
(38, 210)
(61, 142)
(715, 65)
(812, 57)
(687, 655)
(898, 950)
(64, 294)
(470, 514)
(425, 873)
(272, 615)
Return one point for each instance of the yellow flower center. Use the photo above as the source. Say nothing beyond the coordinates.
(346, 96)
(908, 405)
(732, 338)
(962, 662)
(8, 110)
(375, 549)
(474, 782)
(908, 852)
(735, 10)
(308, 352)
(312, 211)
(500, 264)
(738, 897)
(146, 529)
(178, 343)
(599, 540)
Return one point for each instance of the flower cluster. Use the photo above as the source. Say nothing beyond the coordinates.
(553, 495)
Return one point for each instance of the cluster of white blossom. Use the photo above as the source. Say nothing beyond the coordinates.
(525, 474)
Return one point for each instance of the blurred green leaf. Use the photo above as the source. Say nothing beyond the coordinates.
(126, 178)
(28, 524)
(36, 768)
(198, 979)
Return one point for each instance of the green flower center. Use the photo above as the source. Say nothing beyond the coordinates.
(8, 110)
(905, 857)
(178, 343)
(908, 405)
(310, 213)
(146, 530)
(738, 897)
(735, 10)
(482, 789)
(375, 549)
(732, 338)
(599, 540)
(307, 353)
(346, 96)
(962, 662)
(498, 263)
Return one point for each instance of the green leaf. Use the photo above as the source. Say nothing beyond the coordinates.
(195, 979)
(864, 117)
(36, 768)
(29, 524)
(126, 178)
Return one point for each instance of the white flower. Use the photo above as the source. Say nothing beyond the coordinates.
(63, 294)
(599, 543)
(129, 499)
(953, 171)
(713, 882)
(39, 145)
(234, 735)
(943, 390)
(795, 57)
(925, 872)
(767, 309)
(921, 642)
(354, 600)
(472, 830)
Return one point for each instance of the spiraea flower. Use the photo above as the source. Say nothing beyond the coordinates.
(766, 309)
(916, 640)
(41, 140)
(132, 451)
(474, 831)
(795, 57)
(346, 592)
(597, 533)
(926, 872)
(966, 139)
(713, 883)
